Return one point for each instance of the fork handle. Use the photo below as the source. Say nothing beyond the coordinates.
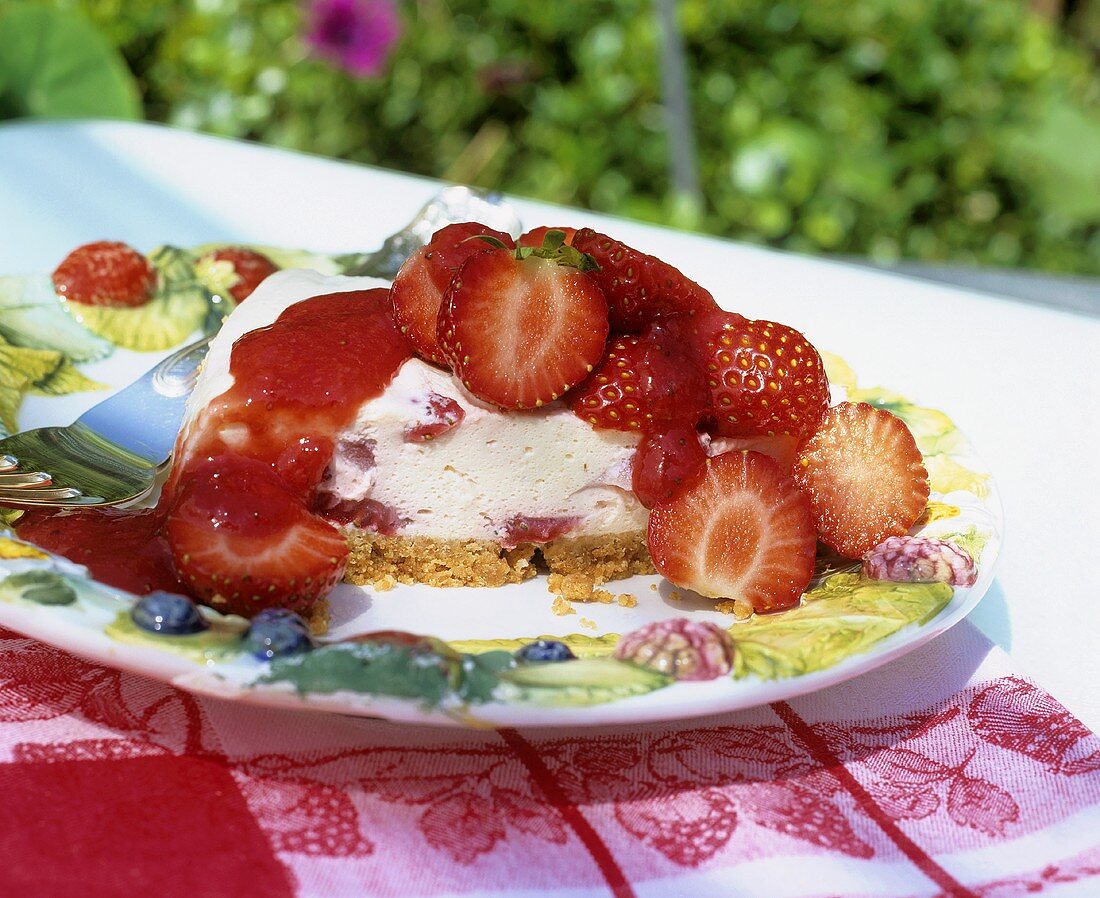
(177, 374)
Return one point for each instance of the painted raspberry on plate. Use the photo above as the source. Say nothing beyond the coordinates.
(681, 648)
(918, 559)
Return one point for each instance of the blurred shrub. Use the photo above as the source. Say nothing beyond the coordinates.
(930, 129)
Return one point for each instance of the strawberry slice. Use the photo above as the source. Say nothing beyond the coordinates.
(419, 287)
(639, 288)
(436, 416)
(765, 378)
(520, 327)
(641, 382)
(536, 236)
(248, 269)
(105, 273)
(864, 477)
(743, 532)
(667, 462)
(241, 542)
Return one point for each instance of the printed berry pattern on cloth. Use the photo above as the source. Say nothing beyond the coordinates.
(977, 784)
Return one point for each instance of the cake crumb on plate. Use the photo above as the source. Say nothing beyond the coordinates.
(739, 608)
(561, 606)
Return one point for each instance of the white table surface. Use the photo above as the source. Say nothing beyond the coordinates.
(1021, 381)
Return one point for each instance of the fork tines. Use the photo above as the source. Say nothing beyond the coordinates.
(29, 487)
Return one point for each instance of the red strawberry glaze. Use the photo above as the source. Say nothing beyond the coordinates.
(121, 548)
(295, 388)
(302, 378)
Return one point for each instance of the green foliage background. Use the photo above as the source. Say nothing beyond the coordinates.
(933, 129)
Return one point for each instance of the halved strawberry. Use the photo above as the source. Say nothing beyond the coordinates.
(765, 378)
(419, 287)
(639, 288)
(105, 273)
(864, 477)
(641, 382)
(743, 532)
(247, 269)
(667, 462)
(520, 327)
(241, 542)
(536, 236)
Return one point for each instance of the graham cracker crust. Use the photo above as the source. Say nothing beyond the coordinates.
(383, 561)
(601, 558)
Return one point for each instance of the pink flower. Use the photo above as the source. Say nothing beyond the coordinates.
(356, 35)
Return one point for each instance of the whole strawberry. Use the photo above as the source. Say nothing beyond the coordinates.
(642, 382)
(639, 288)
(424, 279)
(522, 326)
(105, 273)
(765, 378)
(667, 462)
(236, 270)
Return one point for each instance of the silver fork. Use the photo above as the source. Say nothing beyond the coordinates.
(114, 451)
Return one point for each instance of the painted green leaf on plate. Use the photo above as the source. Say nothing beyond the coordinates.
(838, 371)
(587, 681)
(971, 540)
(583, 646)
(65, 379)
(40, 587)
(946, 476)
(481, 675)
(20, 367)
(419, 671)
(845, 616)
(178, 309)
(31, 315)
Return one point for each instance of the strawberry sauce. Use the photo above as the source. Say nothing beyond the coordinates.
(120, 547)
(297, 384)
(300, 381)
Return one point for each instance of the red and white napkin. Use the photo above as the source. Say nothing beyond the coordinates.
(942, 774)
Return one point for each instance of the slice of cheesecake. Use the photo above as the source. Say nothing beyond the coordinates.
(428, 483)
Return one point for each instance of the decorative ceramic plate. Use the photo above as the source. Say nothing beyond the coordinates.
(461, 672)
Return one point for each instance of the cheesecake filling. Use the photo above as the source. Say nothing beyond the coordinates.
(507, 477)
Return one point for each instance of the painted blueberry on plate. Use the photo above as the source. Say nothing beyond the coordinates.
(543, 651)
(276, 632)
(167, 614)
